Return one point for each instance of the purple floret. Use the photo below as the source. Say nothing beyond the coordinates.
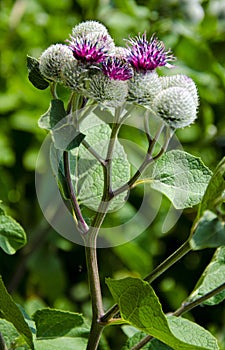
(145, 55)
(117, 69)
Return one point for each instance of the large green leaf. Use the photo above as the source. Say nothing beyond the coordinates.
(12, 235)
(11, 313)
(87, 172)
(212, 277)
(140, 307)
(182, 177)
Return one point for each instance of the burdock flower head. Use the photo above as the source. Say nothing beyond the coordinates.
(145, 55)
(90, 42)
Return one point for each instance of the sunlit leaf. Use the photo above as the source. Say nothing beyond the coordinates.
(182, 177)
(140, 307)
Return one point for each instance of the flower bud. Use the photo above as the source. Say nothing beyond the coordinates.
(52, 61)
(111, 93)
(176, 107)
(74, 75)
(87, 27)
(181, 80)
(143, 88)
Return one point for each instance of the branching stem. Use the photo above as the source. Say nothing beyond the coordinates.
(91, 241)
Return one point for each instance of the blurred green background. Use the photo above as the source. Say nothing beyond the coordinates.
(50, 271)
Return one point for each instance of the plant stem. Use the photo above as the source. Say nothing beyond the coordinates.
(149, 158)
(83, 227)
(2, 343)
(90, 240)
(96, 296)
(142, 343)
(171, 260)
(93, 152)
(166, 264)
(187, 306)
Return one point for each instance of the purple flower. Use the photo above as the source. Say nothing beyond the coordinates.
(88, 49)
(117, 69)
(145, 55)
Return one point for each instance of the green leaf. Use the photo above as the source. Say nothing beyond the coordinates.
(212, 277)
(68, 330)
(11, 313)
(140, 307)
(66, 137)
(34, 74)
(214, 194)
(181, 177)
(12, 235)
(54, 114)
(57, 323)
(209, 232)
(89, 173)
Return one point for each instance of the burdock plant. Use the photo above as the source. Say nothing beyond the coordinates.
(108, 86)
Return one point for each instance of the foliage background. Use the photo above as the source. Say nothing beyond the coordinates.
(50, 271)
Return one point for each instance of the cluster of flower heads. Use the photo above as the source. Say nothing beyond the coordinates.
(92, 65)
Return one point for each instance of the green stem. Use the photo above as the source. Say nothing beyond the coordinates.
(171, 260)
(142, 343)
(187, 306)
(93, 152)
(149, 158)
(53, 90)
(83, 227)
(166, 264)
(90, 240)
